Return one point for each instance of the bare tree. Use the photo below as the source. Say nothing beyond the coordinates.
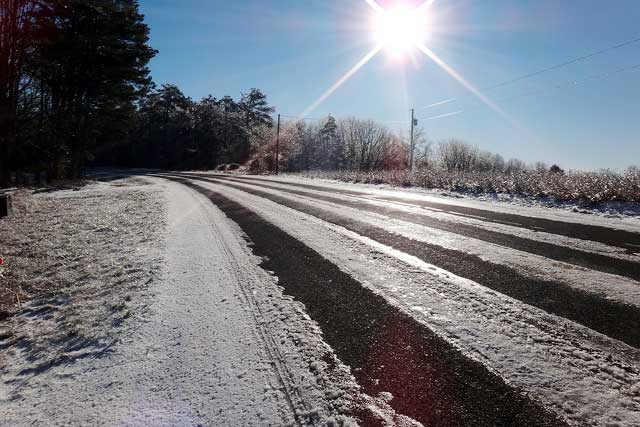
(366, 143)
(16, 41)
(540, 167)
(396, 155)
(484, 162)
(457, 156)
(303, 143)
(498, 163)
(424, 155)
(515, 166)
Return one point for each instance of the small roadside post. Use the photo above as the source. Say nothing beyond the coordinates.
(5, 203)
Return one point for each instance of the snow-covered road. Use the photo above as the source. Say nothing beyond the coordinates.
(564, 331)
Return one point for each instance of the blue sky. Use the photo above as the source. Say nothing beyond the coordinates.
(295, 49)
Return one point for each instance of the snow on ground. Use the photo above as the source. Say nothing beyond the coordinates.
(77, 260)
(582, 375)
(609, 286)
(210, 340)
(611, 209)
(614, 218)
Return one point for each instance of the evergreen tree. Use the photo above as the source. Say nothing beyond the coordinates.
(257, 114)
(166, 126)
(74, 77)
(256, 109)
(96, 68)
(208, 123)
(329, 153)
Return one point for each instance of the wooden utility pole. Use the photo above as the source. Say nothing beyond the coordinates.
(278, 147)
(411, 147)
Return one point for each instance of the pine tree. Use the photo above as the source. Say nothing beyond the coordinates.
(208, 124)
(167, 122)
(256, 109)
(329, 152)
(97, 68)
(257, 115)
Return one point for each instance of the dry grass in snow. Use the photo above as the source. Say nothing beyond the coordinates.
(73, 262)
(586, 188)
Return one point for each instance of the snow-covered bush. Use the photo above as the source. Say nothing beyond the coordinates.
(586, 187)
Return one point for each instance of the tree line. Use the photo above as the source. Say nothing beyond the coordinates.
(171, 131)
(72, 72)
(353, 144)
(75, 89)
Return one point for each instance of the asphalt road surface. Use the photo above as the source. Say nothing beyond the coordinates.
(467, 313)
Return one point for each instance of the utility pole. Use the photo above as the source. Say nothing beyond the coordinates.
(278, 147)
(411, 147)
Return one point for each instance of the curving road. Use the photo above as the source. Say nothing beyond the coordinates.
(467, 313)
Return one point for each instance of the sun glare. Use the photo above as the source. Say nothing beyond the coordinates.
(399, 30)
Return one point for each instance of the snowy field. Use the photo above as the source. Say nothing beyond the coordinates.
(217, 300)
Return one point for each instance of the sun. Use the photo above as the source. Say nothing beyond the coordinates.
(399, 30)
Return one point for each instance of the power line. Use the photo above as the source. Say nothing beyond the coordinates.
(455, 113)
(601, 76)
(316, 119)
(545, 70)
(564, 64)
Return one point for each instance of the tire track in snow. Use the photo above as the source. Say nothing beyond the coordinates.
(284, 376)
(430, 380)
(588, 378)
(616, 320)
(609, 236)
(512, 230)
(578, 257)
(610, 287)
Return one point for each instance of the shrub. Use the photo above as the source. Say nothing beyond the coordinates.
(556, 169)
(585, 187)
